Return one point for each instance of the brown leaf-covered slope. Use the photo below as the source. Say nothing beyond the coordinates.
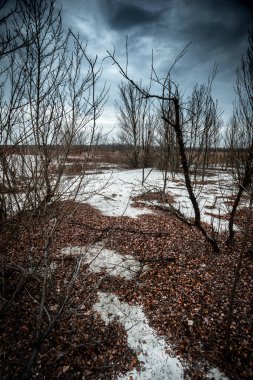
(186, 301)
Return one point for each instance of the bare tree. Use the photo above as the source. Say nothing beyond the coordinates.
(170, 95)
(169, 160)
(239, 146)
(50, 101)
(168, 153)
(201, 129)
(136, 124)
(48, 96)
(13, 39)
(241, 132)
(148, 130)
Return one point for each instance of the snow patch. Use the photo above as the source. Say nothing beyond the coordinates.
(100, 258)
(151, 350)
(215, 374)
(111, 193)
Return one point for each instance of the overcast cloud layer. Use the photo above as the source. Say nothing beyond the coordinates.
(217, 30)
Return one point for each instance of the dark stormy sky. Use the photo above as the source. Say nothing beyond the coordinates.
(217, 30)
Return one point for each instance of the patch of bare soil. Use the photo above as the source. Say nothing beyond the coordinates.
(185, 299)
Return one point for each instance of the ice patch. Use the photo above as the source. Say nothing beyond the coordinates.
(151, 350)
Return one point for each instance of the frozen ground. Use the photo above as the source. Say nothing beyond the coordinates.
(111, 193)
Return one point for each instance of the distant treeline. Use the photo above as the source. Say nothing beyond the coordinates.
(34, 149)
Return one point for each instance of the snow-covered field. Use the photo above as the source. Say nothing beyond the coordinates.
(111, 193)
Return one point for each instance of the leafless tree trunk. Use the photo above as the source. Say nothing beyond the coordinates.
(177, 126)
(241, 132)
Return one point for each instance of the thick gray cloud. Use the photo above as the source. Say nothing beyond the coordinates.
(217, 30)
(127, 16)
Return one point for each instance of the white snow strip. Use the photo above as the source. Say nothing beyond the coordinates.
(100, 258)
(151, 350)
